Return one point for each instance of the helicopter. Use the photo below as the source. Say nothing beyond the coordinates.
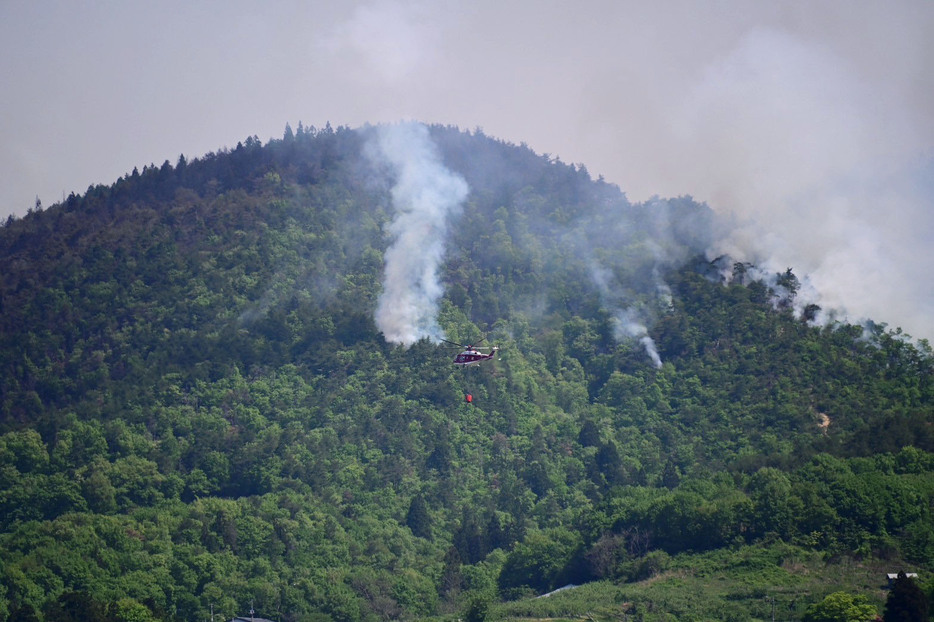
(472, 354)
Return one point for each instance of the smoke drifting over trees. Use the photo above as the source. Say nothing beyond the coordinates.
(811, 123)
(424, 196)
(198, 407)
(625, 247)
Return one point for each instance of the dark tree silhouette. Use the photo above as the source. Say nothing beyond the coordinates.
(906, 602)
(418, 519)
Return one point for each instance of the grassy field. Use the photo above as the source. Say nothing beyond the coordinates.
(750, 583)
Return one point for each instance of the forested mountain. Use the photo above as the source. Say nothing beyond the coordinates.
(198, 409)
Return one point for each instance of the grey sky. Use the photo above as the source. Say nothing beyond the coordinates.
(814, 120)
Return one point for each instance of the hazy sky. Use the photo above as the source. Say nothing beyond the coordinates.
(812, 121)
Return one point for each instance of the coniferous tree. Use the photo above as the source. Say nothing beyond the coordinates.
(670, 476)
(452, 579)
(589, 435)
(906, 601)
(610, 464)
(417, 519)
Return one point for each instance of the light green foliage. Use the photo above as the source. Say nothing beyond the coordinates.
(128, 610)
(24, 451)
(841, 607)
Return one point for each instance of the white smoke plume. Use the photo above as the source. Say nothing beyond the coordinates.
(803, 299)
(387, 41)
(824, 164)
(425, 195)
(628, 326)
(627, 322)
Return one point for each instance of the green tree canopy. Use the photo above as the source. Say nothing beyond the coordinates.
(841, 607)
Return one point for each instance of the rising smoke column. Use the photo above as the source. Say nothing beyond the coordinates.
(425, 194)
(627, 322)
(626, 325)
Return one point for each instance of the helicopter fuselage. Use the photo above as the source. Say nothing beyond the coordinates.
(473, 357)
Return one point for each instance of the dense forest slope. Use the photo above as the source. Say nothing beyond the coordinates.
(197, 408)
